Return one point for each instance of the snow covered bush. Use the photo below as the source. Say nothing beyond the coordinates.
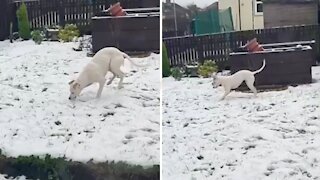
(23, 22)
(165, 62)
(69, 32)
(37, 36)
(207, 68)
(176, 73)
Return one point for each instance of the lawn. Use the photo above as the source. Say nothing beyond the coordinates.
(36, 117)
(273, 136)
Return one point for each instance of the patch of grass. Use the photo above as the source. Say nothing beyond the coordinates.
(47, 167)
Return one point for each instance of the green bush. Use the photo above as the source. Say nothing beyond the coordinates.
(69, 32)
(176, 73)
(207, 68)
(23, 22)
(165, 62)
(47, 167)
(37, 36)
(43, 168)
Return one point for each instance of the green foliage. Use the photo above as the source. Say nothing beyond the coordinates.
(43, 168)
(165, 62)
(207, 68)
(35, 167)
(176, 73)
(69, 32)
(23, 22)
(37, 36)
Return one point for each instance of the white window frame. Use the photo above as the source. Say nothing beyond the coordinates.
(256, 3)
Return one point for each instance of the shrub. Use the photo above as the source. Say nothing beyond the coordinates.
(23, 22)
(69, 32)
(37, 36)
(165, 62)
(176, 74)
(207, 68)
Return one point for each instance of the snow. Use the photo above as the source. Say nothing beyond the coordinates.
(4, 177)
(36, 117)
(273, 136)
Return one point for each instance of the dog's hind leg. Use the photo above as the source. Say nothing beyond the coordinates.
(101, 85)
(110, 81)
(121, 75)
(250, 85)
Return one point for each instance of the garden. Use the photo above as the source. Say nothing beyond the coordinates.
(46, 136)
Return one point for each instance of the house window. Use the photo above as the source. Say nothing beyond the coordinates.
(258, 7)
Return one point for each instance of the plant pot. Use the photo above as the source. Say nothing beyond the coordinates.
(253, 46)
(116, 10)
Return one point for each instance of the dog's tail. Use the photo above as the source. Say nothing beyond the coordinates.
(259, 70)
(129, 58)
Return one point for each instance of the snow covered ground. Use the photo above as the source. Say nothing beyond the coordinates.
(273, 136)
(3, 177)
(37, 118)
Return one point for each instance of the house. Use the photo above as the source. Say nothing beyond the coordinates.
(246, 14)
(172, 26)
(293, 12)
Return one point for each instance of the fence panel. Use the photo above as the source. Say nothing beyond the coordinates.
(46, 13)
(4, 24)
(196, 49)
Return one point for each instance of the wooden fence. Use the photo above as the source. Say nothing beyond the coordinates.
(46, 13)
(192, 49)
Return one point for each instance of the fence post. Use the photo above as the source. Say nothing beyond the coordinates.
(61, 13)
(199, 49)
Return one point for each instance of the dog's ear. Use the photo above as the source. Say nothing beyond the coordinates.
(76, 85)
(71, 82)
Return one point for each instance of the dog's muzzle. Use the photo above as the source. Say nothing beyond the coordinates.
(214, 85)
(72, 97)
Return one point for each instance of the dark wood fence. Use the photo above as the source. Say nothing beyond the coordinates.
(46, 13)
(192, 49)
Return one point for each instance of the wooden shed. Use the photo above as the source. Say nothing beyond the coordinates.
(279, 13)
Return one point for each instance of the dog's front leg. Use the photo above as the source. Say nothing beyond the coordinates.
(226, 92)
(101, 85)
(110, 81)
(120, 85)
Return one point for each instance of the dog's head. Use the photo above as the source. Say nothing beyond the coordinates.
(75, 89)
(215, 80)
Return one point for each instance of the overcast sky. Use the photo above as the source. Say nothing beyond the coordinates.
(200, 3)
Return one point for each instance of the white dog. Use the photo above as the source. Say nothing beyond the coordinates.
(107, 59)
(235, 80)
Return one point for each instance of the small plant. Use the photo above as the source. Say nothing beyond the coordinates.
(23, 22)
(207, 68)
(37, 36)
(165, 62)
(69, 32)
(176, 73)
